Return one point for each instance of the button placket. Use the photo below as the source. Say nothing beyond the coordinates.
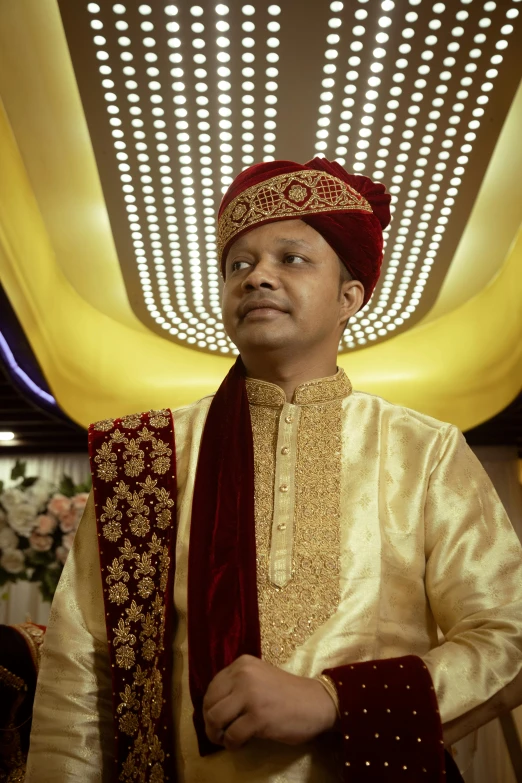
(284, 497)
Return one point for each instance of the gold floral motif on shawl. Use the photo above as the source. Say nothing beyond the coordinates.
(132, 504)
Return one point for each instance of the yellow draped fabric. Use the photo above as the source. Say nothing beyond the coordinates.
(375, 525)
(464, 364)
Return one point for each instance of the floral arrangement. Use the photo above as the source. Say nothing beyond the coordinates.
(38, 522)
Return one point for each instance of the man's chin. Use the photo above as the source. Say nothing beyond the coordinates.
(261, 340)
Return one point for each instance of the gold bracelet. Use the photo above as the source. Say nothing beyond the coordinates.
(331, 690)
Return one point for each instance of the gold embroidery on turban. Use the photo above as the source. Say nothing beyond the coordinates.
(287, 195)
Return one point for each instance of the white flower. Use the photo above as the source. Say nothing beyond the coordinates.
(12, 560)
(8, 539)
(11, 498)
(39, 492)
(23, 518)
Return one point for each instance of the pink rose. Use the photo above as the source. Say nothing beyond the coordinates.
(61, 554)
(59, 506)
(46, 524)
(68, 540)
(79, 501)
(40, 543)
(68, 521)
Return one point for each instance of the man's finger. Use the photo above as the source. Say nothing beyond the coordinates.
(221, 715)
(239, 732)
(220, 687)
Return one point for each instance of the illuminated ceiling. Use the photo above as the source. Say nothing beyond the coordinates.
(461, 362)
(179, 99)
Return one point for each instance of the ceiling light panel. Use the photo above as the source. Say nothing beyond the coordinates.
(181, 97)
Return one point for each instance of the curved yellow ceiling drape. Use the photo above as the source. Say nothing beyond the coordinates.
(463, 367)
(463, 364)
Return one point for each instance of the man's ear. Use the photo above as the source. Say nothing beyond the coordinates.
(352, 293)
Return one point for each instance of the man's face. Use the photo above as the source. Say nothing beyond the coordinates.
(282, 290)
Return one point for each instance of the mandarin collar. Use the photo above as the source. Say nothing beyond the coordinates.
(320, 390)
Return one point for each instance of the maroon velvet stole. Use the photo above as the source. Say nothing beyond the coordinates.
(223, 617)
(133, 464)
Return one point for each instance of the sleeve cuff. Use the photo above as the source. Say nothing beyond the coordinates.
(390, 722)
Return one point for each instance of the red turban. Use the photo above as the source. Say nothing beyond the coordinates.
(349, 211)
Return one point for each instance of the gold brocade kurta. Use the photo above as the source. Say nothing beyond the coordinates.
(374, 524)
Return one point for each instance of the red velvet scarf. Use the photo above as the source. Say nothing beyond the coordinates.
(223, 619)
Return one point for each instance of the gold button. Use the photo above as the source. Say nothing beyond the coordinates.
(282, 526)
(285, 450)
(289, 419)
(283, 488)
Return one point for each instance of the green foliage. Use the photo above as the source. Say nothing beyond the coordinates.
(28, 482)
(19, 470)
(49, 581)
(38, 559)
(6, 577)
(67, 487)
(85, 487)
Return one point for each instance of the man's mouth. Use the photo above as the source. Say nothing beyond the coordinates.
(261, 309)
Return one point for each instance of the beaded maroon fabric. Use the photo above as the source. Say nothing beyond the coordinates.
(133, 465)
(390, 722)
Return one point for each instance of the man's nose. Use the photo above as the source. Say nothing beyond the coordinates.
(263, 274)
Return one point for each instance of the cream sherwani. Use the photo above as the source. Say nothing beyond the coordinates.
(375, 526)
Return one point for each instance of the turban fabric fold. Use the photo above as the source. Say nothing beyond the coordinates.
(223, 617)
(352, 227)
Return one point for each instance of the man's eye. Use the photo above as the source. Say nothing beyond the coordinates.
(293, 258)
(237, 265)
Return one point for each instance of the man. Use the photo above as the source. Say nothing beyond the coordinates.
(321, 538)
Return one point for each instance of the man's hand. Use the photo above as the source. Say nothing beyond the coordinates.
(252, 698)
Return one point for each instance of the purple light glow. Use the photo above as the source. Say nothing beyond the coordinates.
(30, 384)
